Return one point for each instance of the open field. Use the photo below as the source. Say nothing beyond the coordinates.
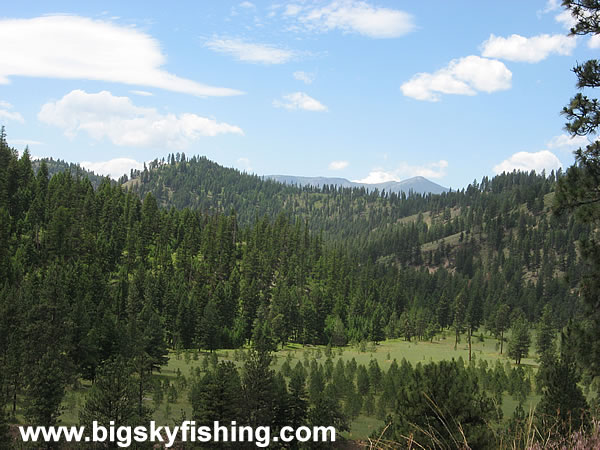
(181, 367)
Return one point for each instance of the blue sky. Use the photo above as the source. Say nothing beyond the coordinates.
(372, 90)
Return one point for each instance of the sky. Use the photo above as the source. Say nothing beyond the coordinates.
(371, 91)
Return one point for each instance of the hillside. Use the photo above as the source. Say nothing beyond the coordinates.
(417, 185)
(338, 212)
(57, 165)
(101, 273)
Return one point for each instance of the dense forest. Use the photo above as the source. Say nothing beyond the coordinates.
(100, 283)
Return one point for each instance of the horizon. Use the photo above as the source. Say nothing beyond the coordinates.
(369, 91)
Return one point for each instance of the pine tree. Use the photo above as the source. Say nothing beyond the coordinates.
(501, 323)
(459, 317)
(258, 388)
(45, 389)
(562, 408)
(217, 395)
(546, 334)
(578, 189)
(113, 397)
(298, 402)
(520, 339)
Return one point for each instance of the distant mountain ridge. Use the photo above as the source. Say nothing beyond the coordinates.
(418, 185)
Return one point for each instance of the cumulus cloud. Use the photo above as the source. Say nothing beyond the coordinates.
(103, 115)
(463, 76)
(244, 164)
(299, 100)
(247, 5)
(142, 93)
(114, 168)
(404, 171)
(551, 5)
(306, 77)
(6, 114)
(566, 19)
(526, 162)
(566, 142)
(594, 42)
(72, 47)
(338, 165)
(351, 16)
(532, 50)
(251, 52)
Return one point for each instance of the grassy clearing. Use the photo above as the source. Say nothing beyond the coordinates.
(181, 366)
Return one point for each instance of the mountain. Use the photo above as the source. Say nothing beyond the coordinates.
(417, 185)
(58, 165)
(339, 212)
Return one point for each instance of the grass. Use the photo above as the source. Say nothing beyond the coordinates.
(442, 348)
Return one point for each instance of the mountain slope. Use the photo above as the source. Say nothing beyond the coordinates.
(417, 185)
(58, 165)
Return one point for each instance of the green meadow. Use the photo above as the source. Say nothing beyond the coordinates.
(183, 365)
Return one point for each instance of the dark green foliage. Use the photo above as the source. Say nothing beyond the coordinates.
(441, 405)
(546, 335)
(95, 275)
(562, 408)
(113, 397)
(217, 395)
(578, 190)
(520, 340)
(298, 404)
(259, 390)
(327, 411)
(44, 390)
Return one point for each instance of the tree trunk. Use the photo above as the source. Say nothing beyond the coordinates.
(470, 334)
(456, 339)
(501, 340)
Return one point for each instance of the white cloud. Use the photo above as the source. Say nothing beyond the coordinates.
(338, 165)
(404, 171)
(104, 115)
(72, 47)
(594, 41)
(531, 50)
(24, 143)
(244, 165)
(142, 93)
(358, 17)
(292, 10)
(566, 142)
(247, 5)
(114, 168)
(464, 76)
(249, 52)
(9, 115)
(551, 5)
(306, 77)
(566, 19)
(299, 100)
(526, 161)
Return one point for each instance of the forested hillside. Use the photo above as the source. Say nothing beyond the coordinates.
(97, 276)
(55, 166)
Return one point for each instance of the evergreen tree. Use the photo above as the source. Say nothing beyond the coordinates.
(113, 397)
(442, 406)
(578, 189)
(546, 334)
(562, 408)
(501, 323)
(258, 389)
(520, 339)
(217, 395)
(298, 402)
